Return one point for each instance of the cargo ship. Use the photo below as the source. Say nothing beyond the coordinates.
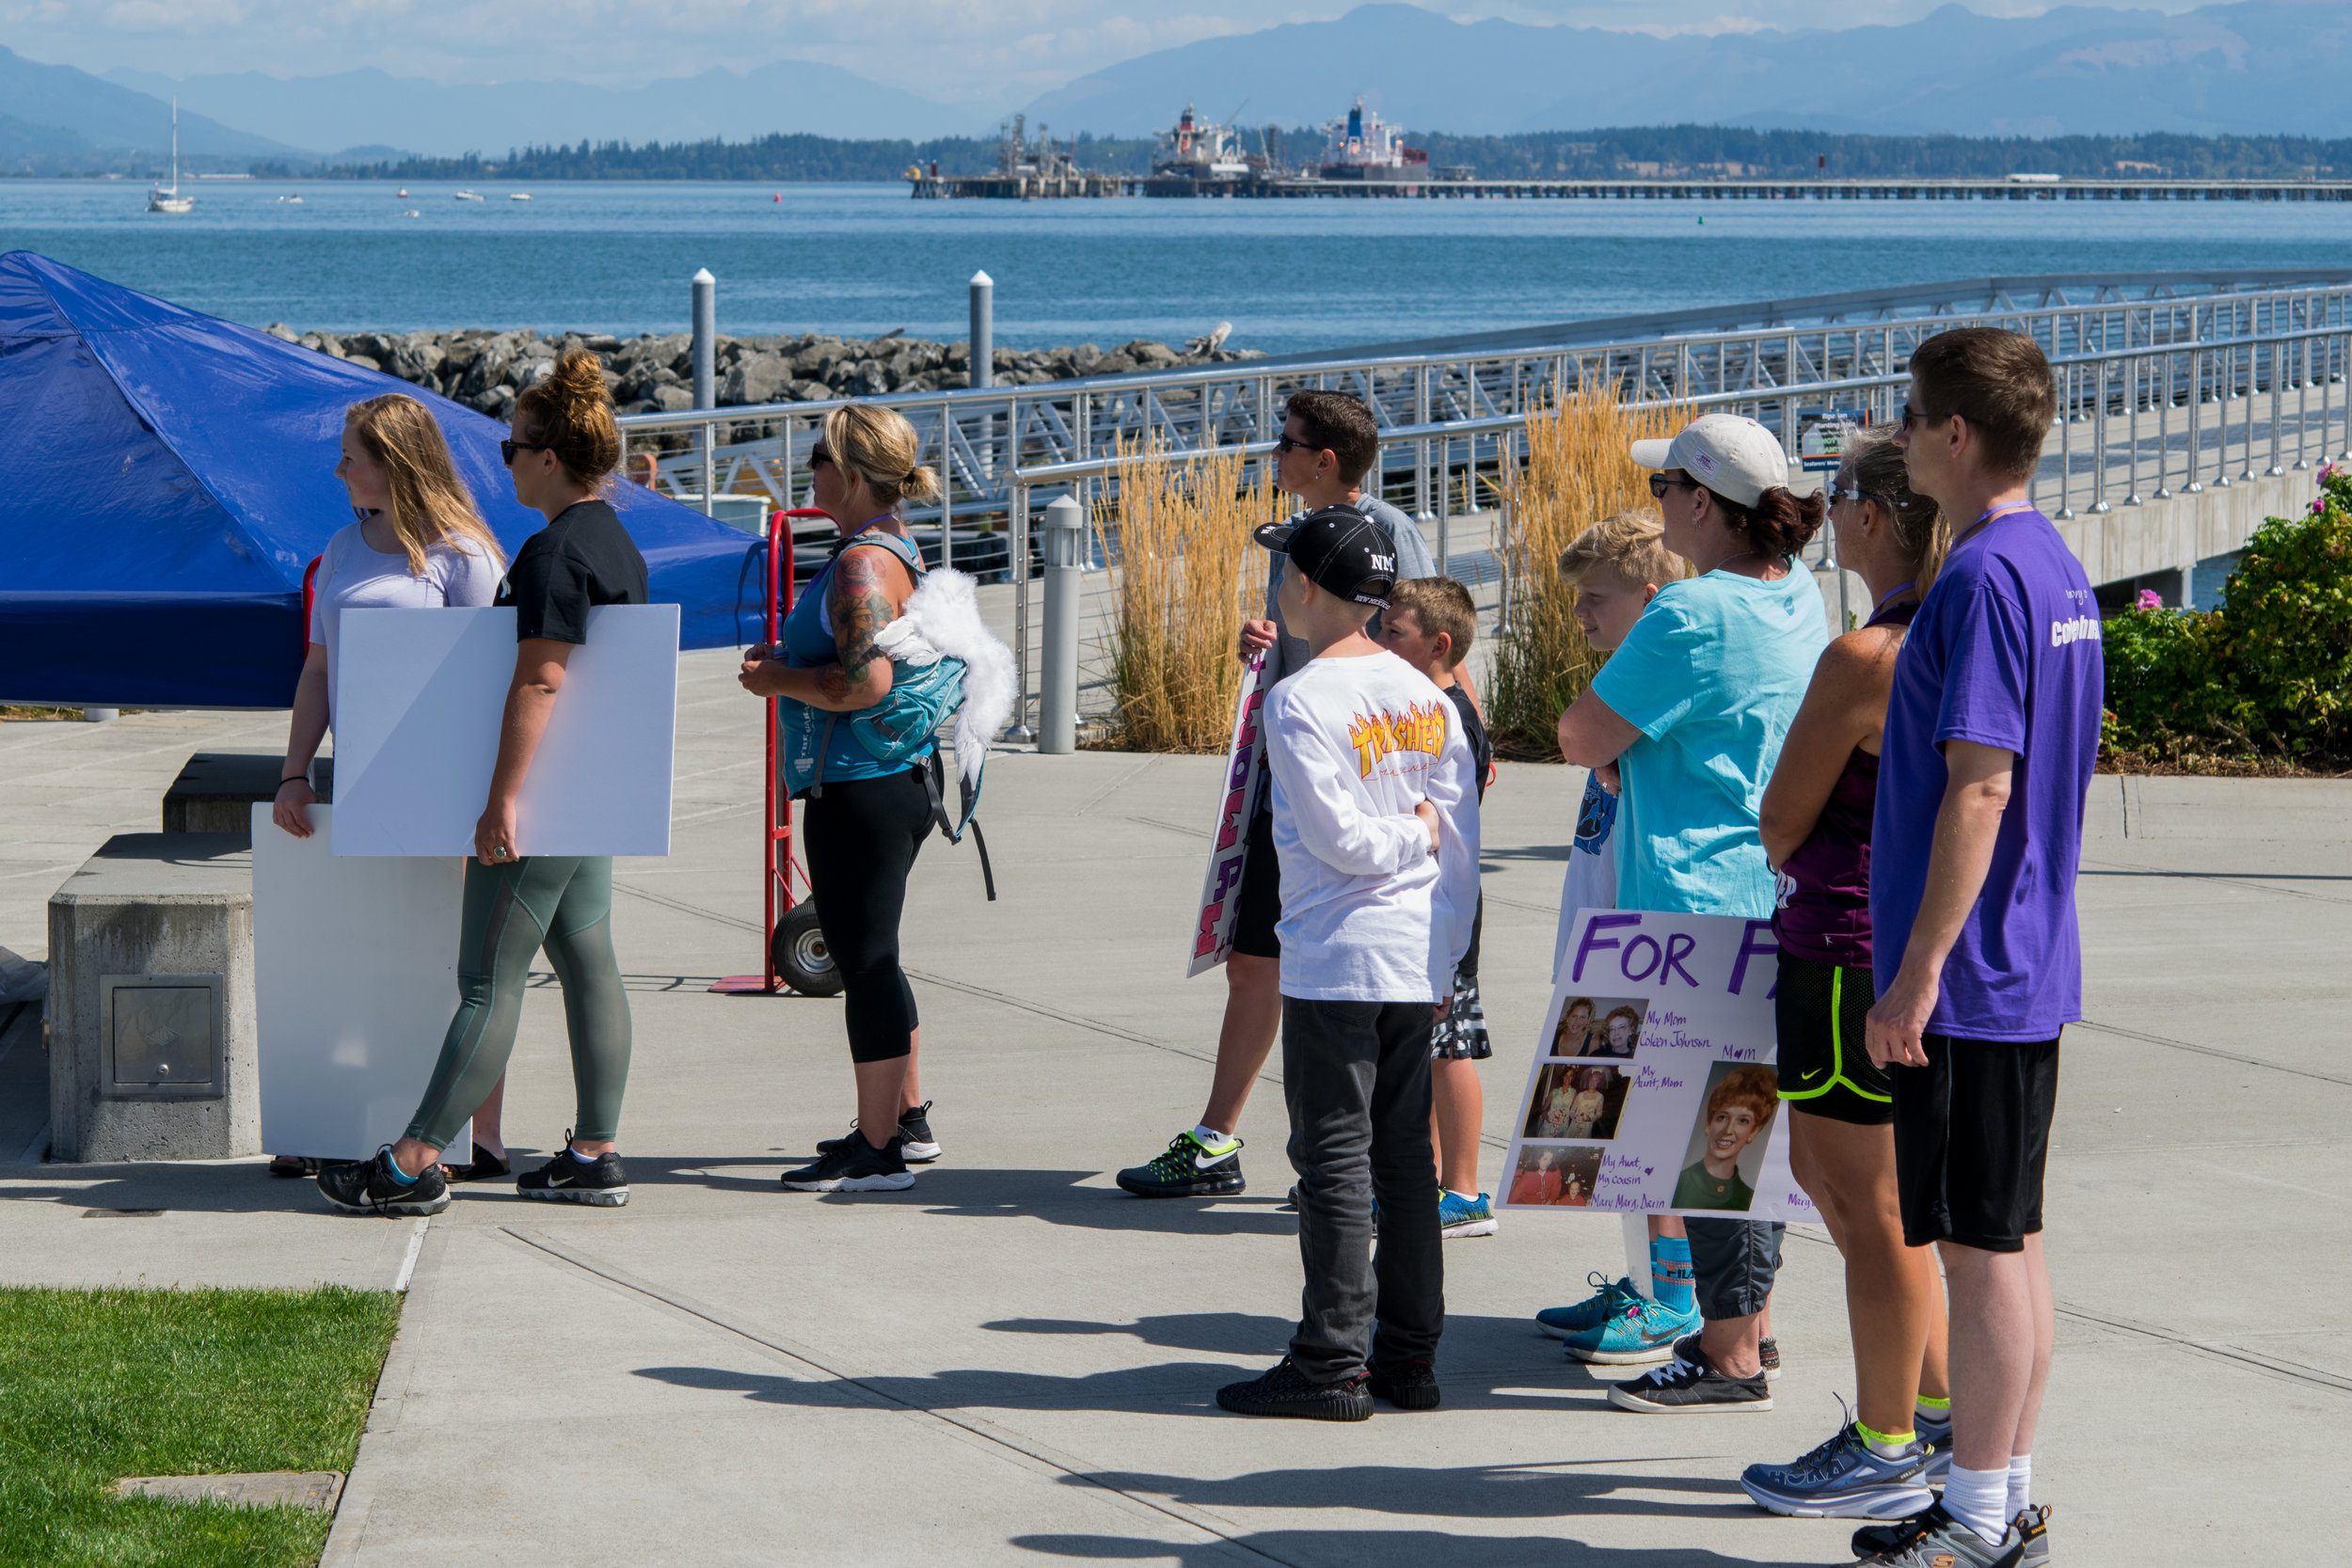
(1365, 147)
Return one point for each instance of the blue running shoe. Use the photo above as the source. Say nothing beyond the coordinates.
(1606, 1300)
(1843, 1479)
(1639, 1330)
(1464, 1216)
(1936, 1436)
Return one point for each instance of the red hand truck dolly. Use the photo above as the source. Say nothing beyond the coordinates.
(794, 952)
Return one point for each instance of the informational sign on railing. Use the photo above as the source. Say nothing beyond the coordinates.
(1654, 1087)
(1229, 849)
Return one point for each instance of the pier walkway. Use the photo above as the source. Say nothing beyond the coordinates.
(1012, 1363)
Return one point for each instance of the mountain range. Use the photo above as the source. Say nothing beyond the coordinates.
(2260, 66)
(2251, 67)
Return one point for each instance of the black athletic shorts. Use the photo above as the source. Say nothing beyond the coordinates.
(1260, 901)
(1972, 1136)
(1824, 1071)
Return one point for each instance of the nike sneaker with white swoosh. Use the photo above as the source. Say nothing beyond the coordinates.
(1189, 1168)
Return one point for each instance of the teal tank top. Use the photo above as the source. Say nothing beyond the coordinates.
(807, 643)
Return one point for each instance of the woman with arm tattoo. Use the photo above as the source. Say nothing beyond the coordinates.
(865, 818)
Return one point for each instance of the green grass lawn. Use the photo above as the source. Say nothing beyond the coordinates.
(97, 1385)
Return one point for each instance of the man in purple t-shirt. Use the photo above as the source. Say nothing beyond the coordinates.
(1992, 735)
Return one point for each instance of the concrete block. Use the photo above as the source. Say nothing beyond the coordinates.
(153, 1043)
(215, 791)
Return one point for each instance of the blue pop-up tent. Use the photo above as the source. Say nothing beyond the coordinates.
(166, 477)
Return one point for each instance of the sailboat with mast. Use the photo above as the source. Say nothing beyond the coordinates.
(166, 198)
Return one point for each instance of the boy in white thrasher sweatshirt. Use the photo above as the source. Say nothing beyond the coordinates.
(1375, 822)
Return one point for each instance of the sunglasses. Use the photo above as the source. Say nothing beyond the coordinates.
(508, 448)
(1659, 484)
(1912, 418)
(819, 453)
(1838, 492)
(1284, 444)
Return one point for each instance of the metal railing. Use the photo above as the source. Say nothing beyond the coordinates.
(2165, 387)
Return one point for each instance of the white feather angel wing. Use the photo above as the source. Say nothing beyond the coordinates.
(943, 620)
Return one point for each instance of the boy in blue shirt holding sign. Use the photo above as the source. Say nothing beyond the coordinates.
(1991, 736)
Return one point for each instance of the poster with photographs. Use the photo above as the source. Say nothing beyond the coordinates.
(1653, 1089)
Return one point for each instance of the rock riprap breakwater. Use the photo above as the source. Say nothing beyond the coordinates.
(484, 370)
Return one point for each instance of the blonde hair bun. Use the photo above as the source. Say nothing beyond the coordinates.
(883, 449)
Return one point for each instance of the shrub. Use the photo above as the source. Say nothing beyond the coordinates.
(2268, 675)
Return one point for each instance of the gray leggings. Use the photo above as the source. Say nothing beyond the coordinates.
(563, 904)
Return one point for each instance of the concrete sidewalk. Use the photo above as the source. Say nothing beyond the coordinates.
(1012, 1362)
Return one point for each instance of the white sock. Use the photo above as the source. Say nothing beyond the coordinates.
(585, 1159)
(1466, 1197)
(1637, 1255)
(1210, 1138)
(2020, 1484)
(1975, 1497)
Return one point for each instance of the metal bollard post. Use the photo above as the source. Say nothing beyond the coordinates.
(705, 374)
(705, 340)
(1058, 681)
(983, 351)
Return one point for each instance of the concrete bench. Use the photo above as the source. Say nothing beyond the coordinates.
(152, 1044)
(213, 790)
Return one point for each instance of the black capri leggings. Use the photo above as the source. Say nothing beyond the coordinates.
(860, 837)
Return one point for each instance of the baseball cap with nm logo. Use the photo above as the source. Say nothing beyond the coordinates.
(1338, 550)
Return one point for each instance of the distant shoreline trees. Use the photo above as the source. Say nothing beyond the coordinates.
(1669, 152)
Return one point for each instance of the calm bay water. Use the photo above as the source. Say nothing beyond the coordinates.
(858, 259)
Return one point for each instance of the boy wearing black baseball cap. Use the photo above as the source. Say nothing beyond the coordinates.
(1376, 826)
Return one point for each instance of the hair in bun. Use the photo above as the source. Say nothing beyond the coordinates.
(569, 411)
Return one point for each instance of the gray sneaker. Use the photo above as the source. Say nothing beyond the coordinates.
(1937, 1540)
(1937, 1438)
(1843, 1479)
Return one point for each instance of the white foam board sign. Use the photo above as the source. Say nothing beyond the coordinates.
(420, 695)
(355, 972)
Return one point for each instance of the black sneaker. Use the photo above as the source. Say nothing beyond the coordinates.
(371, 1187)
(1189, 1169)
(1288, 1391)
(1688, 1384)
(854, 1165)
(2032, 1527)
(1407, 1385)
(915, 1142)
(601, 1181)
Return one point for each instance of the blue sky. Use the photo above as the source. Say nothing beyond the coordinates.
(956, 51)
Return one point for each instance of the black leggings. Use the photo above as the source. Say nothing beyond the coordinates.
(860, 837)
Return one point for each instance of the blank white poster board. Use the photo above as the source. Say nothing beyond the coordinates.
(355, 978)
(419, 697)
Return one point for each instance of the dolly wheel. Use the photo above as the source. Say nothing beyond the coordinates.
(802, 957)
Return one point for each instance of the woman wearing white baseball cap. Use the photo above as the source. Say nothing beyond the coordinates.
(1692, 708)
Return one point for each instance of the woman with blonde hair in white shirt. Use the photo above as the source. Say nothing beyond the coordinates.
(419, 543)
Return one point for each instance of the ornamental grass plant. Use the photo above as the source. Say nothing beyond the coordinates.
(1579, 469)
(1187, 566)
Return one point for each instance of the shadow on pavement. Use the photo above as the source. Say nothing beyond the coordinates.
(1344, 1548)
(1464, 1492)
(1173, 1389)
(1479, 1355)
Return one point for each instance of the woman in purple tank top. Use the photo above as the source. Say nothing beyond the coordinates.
(1815, 827)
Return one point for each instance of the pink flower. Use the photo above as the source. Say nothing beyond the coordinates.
(2149, 599)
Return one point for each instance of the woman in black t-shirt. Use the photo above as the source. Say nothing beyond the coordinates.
(565, 444)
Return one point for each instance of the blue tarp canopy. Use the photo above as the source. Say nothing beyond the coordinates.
(166, 477)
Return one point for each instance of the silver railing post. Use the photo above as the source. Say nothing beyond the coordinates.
(1019, 561)
(2278, 405)
(1058, 678)
(2066, 443)
(2164, 432)
(2196, 399)
(2134, 374)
